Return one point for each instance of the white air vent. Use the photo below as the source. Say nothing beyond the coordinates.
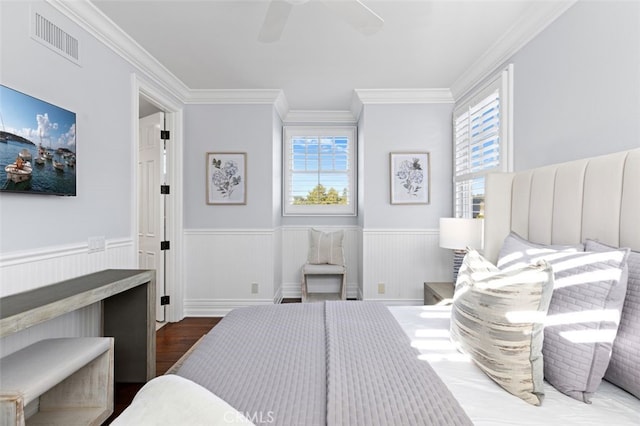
(54, 37)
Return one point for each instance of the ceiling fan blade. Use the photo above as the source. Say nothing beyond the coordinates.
(356, 14)
(274, 21)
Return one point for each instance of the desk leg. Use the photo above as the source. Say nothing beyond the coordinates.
(129, 317)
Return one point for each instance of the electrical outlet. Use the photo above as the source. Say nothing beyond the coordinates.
(254, 288)
(380, 288)
(96, 244)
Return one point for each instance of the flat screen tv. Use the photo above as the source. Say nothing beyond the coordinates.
(37, 145)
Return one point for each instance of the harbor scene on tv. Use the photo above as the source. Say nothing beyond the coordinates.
(37, 145)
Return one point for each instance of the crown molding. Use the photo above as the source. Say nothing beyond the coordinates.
(363, 97)
(310, 116)
(96, 23)
(233, 96)
(539, 17)
(273, 97)
(404, 96)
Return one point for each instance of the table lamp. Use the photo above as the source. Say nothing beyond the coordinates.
(458, 234)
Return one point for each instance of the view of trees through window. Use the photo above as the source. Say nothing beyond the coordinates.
(320, 195)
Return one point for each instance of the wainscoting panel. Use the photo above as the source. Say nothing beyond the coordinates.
(222, 266)
(401, 260)
(29, 270)
(295, 244)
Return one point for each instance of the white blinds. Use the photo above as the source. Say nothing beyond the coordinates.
(477, 138)
(481, 136)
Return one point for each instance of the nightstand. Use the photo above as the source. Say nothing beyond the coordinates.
(435, 292)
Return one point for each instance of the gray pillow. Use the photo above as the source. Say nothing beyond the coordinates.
(498, 319)
(584, 313)
(624, 366)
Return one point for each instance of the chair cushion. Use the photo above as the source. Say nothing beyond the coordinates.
(325, 247)
(37, 368)
(325, 269)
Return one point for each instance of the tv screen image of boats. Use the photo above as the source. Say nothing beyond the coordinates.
(37, 145)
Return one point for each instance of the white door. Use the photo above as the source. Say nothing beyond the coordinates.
(150, 201)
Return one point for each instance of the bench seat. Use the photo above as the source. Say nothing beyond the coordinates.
(70, 379)
(324, 269)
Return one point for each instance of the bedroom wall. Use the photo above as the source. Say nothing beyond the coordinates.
(45, 238)
(229, 247)
(103, 123)
(577, 90)
(400, 242)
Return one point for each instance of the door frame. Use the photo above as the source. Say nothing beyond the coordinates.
(173, 110)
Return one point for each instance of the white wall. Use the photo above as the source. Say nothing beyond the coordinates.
(577, 86)
(229, 247)
(405, 128)
(400, 242)
(99, 92)
(229, 128)
(44, 239)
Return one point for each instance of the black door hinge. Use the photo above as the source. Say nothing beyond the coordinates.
(164, 189)
(165, 135)
(164, 300)
(165, 245)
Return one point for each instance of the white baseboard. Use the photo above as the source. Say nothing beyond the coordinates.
(399, 302)
(218, 307)
(277, 298)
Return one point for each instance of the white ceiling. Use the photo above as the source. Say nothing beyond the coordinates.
(320, 59)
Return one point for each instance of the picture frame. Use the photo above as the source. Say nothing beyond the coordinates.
(410, 177)
(37, 146)
(226, 178)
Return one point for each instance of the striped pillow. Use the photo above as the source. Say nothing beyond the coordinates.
(497, 318)
(325, 248)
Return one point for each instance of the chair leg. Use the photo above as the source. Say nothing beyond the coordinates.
(343, 294)
(304, 287)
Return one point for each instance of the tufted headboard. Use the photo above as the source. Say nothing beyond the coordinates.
(566, 203)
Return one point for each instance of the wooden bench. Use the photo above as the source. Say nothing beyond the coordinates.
(63, 381)
(324, 269)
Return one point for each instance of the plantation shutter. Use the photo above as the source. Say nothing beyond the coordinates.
(480, 144)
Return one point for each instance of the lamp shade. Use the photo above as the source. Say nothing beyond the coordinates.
(458, 233)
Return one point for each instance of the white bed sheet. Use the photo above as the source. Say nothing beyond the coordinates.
(488, 404)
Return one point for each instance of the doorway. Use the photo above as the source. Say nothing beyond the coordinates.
(151, 202)
(150, 207)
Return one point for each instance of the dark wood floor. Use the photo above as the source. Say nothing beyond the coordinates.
(172, 341)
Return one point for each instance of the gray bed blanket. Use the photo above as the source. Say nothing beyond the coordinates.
(332, 363)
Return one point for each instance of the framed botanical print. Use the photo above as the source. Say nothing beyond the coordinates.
(226, 178)
(410, 174)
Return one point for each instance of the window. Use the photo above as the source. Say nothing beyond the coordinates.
(482, 138)
(319, 171)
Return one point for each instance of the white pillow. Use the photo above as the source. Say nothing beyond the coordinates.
(325, 247)
(498, 319)
(174, 400)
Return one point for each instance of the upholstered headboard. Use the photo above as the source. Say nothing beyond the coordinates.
(567, 203)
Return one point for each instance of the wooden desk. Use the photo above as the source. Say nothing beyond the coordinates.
(128, 314)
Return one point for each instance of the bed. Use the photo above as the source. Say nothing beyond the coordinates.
(352, 362)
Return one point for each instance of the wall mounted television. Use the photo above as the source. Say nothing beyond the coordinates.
(37, 145)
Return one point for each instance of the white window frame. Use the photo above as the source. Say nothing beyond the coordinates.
(290, 209)
(463, 177)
